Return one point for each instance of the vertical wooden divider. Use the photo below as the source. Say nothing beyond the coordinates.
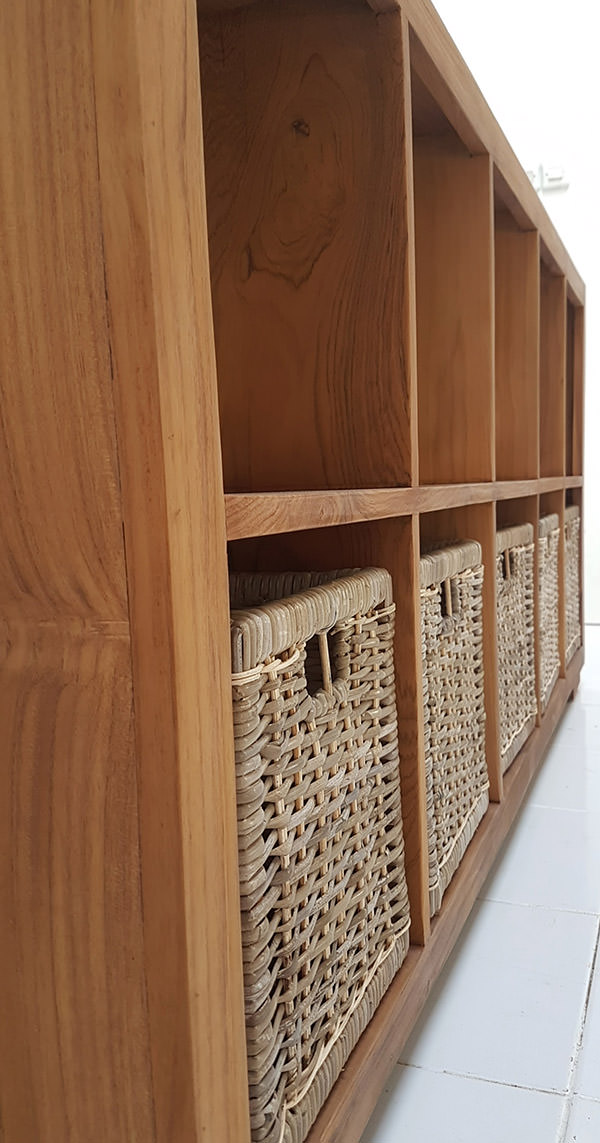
(150, 161)
(517, 342)
(478, 522)
(410, 307)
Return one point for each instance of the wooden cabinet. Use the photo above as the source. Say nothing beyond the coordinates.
(275, 290)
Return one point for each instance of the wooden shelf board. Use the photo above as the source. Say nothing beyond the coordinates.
(270, 513)
(347, 1111)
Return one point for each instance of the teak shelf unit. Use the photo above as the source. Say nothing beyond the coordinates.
(274, 285)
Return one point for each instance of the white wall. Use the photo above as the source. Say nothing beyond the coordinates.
(538, 66)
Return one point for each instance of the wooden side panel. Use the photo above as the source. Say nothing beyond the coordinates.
(61, 545)
(73, 1018)
(574, 390)
(74, 1030)
(391, 544)
(478, 522)
(152, 186)
(455, 302)
(308, 221)
(517, 274)
(553, 365)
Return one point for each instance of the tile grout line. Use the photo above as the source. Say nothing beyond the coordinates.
(570, 1093)
(487, 1080)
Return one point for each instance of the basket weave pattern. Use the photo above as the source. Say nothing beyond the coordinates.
(549, 534)
(516, 641)
(323, 891)
(572, 607)
(454, 713)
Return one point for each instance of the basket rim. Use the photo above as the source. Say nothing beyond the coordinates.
(270, 628)
(548, 524)
(572, 512)
(444, 562)
(515, 536)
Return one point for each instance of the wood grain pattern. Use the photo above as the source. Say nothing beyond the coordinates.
(454, 249)
(268, 513)
(347, 1111)
(74, 1043)
(391, 544)
(517, 274)
(74, 1034)
(307, 206)
(58, 457)
(553, 364)
(151, 175)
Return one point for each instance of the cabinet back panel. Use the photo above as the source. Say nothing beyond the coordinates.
(307, 209)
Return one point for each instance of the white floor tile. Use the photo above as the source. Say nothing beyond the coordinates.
(429, 1107)
(584, 1122)
(552, 859)
(509, 1006)
(579, 727)
(589, 691)
(569, 780)
(587, 1078)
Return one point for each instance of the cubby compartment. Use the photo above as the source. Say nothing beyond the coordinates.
(324, 902)
(551, 587)
(553, 364)
(517, 614)
(573, 541)
(392, 545)
(308, 219)
(574, 390)
(476, 522)
(517, 347)
(457, 785)
(454, 241)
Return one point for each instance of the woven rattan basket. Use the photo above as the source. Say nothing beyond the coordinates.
(323, 891)
(516, 639)
(549, 534)
(451, 582)
(572, 602)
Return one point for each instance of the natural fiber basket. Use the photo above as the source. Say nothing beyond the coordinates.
(516, 639)
(572, 602)
(451, 582)
(549, 534)
(323, 891)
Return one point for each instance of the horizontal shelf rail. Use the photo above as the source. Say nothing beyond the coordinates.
(269, 513)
